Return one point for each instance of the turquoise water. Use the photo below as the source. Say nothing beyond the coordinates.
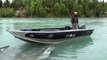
(92, 47)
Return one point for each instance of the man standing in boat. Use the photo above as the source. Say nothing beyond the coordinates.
(74, 20)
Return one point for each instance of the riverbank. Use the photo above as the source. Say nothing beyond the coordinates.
(10, 12)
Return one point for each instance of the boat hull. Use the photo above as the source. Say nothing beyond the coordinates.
(49, 36)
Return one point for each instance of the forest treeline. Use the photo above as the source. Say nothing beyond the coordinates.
(51, 8)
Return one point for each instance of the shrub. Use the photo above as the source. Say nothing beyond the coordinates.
(49, 15)
(7, 12)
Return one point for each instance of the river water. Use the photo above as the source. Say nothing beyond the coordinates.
(92, 47)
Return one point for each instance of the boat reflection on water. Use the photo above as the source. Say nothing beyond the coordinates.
(71, 48)
(76, 43)
(34, 52)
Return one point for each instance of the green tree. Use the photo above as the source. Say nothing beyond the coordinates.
(6, 4)
(85, 8)
(0, 3)
(27, 7)
(106, 7)
(42, 12)
(97, 8)
(48, 3)
(32, 7)
(79, 1)
(56, 9)
(7, 12)
(64, 10)
(69, 4)
(16, 4)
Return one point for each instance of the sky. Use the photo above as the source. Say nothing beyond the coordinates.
(9, 0)
(99, 0)
(104, 0)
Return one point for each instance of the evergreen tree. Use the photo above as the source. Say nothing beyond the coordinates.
(105, 7)
(7, 12)
(27, 7)
(56, 9)
(97, 8)
(48, 3)
(17, 4)
(39, 8)
(69, 4)
(42, 12)
(64, 10)
(85, 8)
(79, 1)
(0, 3)
(6, 4)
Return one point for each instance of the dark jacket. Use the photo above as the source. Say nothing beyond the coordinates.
(74, 19)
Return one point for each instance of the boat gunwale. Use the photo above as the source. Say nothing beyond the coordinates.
(55, 31)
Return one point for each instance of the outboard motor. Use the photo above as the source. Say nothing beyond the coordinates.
(82, 26)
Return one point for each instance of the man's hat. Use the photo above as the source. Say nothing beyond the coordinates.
(75, 13)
